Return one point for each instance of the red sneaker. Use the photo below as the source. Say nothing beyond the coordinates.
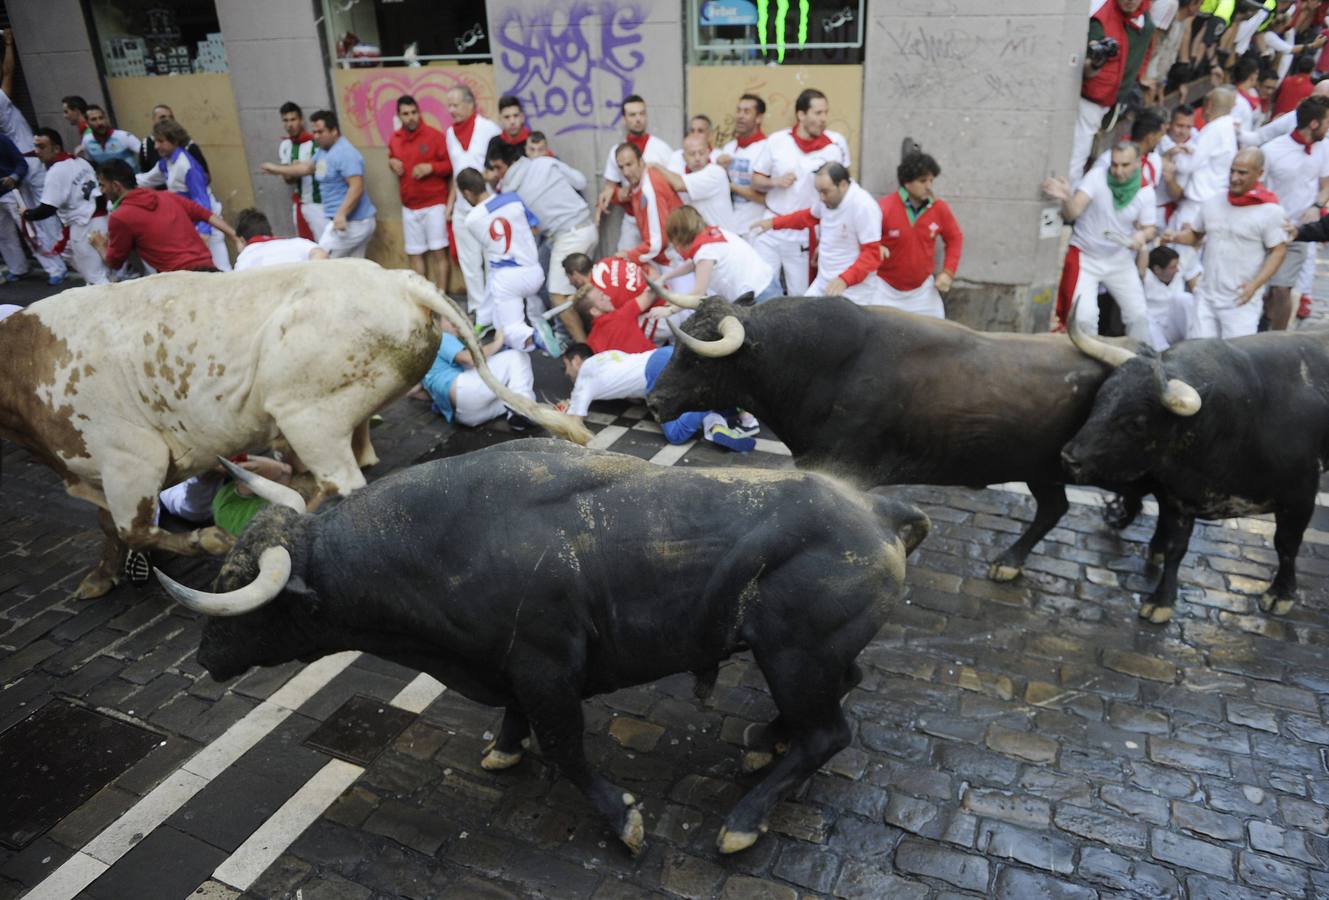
(1304, 309)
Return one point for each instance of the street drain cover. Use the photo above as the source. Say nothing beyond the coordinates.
(57, 758)
(360, 729)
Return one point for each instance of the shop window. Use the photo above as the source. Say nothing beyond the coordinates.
(402, 32)
(157, 37)
(781, 32)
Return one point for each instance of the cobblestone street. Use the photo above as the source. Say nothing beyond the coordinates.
(1022, 740)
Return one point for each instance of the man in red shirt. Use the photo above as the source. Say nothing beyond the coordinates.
(612, 298)
(418, 156)
(912, 219)
(158, 225)
(651, 201)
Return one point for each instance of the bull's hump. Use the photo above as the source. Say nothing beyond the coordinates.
(39, 398)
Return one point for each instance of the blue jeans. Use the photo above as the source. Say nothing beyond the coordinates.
(770, 291)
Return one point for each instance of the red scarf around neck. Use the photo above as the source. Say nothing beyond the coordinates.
(711, 235)
(59, 157)
(464, 129)
(1254, 197)
(639, 141)
(750, 139)
(810, 145)
(1253, 99)
(1306, 143)
(519, 138)
(301, 138)
(260, 238)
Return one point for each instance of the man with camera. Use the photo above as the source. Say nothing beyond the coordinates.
(1119, 36)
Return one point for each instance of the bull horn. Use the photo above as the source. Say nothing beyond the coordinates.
(274, 570)
(683, 301)
(731, 338)
(1180, 398)
(271, 491)
(1091, 346)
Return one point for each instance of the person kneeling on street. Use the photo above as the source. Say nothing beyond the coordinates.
(458, 392)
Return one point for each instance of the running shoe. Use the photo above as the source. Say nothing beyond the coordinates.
(138, 568)
(545, 338)
(56, 280)
(1304, 309)
(747, 426)
(724, 436)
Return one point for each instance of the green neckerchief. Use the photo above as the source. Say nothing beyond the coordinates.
(1123, 192)
(909, 209)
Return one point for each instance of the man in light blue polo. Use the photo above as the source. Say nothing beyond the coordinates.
(103, 143)
(339, 170)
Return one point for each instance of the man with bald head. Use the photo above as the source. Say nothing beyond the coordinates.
(701, 183)
(1244, 243)
(467, 139)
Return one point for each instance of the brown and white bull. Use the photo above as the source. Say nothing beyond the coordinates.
(124, 389)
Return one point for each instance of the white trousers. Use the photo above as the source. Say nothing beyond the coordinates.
(1225, 321)
(580, 239)
(925, 300)
(1306, 278)
(314, 218)
(48, 230)
(629, 235)
(1122, 280)
(504, 302)
(473, 403)
(1087, 123)
(351, 242)
(786, 251)
(867, 292)
(470, 257)
(82, 256)
(1172, 324)
(11, 241)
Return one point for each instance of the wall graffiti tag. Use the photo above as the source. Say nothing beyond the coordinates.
(369, 100)
(553, 60)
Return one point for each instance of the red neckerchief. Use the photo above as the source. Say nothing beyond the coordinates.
(1254, 197)
(464, 129)
(1253, 99)
(810, 145)
(750, 139)
(260, 238)
(519, 138)
(639, 141)
(710, 235)
(102, 140)
(1307, 144)
(60, 157)
(302, 137)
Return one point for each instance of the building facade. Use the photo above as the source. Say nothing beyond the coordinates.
(989, 90)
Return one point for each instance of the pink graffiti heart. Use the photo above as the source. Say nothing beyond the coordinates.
(371, 101)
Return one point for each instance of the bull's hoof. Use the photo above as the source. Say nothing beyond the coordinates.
(1120, 512)
(1146, 610)
(1278, 606)
(215, 542)
(95, 585)
(734, 841)
(1158, 615)
(1003, 572)
(755, 761)
(496, 760)
(634, 829)
(1156, 560)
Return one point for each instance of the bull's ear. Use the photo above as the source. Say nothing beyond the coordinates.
(296, 585)
(1180, 398)
(747, 299)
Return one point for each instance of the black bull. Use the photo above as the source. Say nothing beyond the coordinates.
(1226, 428)
(534, 574)
(880, 396)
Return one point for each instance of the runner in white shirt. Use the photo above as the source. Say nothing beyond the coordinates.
(502, 227)
(1204, 173)
(612, 375)
(260, 248)
(739, 156)
(701, 125)
(1244, 243)
(1296, 168)
(1171, 307)
(29, 191)
(701, 183)
(1113, 216)
(790, 161)
(467, 138)
(70, 193)
(653, 150)
(726, 265)
(850, 224)
(1178, 139)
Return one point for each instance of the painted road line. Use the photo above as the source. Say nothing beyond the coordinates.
(159, 804)
(605, 437)
(672, 453)
(417, 695)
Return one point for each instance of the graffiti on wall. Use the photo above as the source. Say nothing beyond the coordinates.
(369, 97)
(564, 62)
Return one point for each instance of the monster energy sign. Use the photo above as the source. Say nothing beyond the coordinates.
(781, 13)
(745, 12)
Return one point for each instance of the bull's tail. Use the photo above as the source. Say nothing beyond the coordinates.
(555, 422)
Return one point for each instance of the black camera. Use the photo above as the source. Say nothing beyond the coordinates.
(1100, 52)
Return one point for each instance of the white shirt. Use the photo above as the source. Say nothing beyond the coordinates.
(1090, 229)
(856, 221)
(71, 187)
(1284, 124)
(612, 375)
(738, 267)
(782, 155)
(304, 152)
(1236, 240)
(13, 125)
(708, 194)
(1161, 192)
(742, 160)
(657, 151)
(1151, 169)
(502, 225)
(274, 253)
(1204, 173)
(470, 157)
(1293, 174)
